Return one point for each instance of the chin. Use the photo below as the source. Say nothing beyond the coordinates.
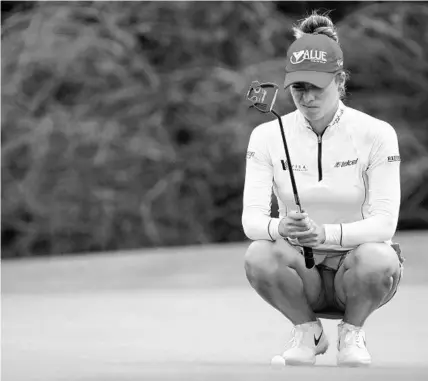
(311, 114)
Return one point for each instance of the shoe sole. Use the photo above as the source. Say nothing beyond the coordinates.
(299, 362)
(295, 362)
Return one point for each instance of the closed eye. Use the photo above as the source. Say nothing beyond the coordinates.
(298, 88)
(306, 87)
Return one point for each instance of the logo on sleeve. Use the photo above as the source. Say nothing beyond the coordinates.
(250, 154)
(394, 158)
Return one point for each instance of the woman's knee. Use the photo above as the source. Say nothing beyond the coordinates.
(258, 258)
(263, 258)
(268, 264)
(374, 262)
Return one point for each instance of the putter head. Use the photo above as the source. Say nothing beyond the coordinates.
(262, 95)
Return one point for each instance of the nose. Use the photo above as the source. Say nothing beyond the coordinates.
(308, 96)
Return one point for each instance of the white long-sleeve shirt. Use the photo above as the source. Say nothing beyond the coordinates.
(348, 179)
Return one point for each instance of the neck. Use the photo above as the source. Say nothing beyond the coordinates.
(321, 124)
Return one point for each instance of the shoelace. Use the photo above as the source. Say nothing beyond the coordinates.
(296, 337)
(355, 336)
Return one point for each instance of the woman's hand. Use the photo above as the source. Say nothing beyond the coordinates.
(313, 236)
(294, 222)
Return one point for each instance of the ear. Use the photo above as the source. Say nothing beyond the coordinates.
(340, 79)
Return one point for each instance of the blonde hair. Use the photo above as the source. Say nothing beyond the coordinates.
(316, 24)
(321, 24)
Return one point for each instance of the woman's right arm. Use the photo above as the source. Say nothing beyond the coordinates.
(256, 216)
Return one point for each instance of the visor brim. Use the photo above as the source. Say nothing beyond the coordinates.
(316, 78)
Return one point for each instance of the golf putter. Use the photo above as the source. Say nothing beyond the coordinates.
(262, 97)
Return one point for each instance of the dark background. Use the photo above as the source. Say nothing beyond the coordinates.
(124, 124)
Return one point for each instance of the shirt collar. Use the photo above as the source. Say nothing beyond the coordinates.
(336, 118)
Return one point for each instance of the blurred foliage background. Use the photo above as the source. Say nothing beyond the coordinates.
(124, 124)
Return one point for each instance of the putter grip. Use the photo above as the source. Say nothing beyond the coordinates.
(309, 257)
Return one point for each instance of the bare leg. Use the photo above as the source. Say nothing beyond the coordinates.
(366, 278)
(277, 272)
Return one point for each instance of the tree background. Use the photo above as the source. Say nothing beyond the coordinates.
(124, 124)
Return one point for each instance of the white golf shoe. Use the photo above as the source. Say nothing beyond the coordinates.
(351, 346)
(308, 340)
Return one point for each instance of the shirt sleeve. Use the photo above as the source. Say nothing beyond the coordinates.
(384, 193)
(257, 199)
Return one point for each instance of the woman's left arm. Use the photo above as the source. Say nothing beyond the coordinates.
(384, 194)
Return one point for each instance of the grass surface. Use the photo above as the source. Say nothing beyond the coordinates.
(183, 313)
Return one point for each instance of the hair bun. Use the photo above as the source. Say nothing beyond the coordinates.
(316, 24)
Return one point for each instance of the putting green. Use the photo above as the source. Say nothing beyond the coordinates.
(183, 313)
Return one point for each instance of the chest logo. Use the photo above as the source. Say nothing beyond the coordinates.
(347, 163)
(296, 167)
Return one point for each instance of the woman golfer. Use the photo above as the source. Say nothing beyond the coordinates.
(347, 169)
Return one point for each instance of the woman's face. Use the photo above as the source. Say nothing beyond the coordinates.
(313, 102)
